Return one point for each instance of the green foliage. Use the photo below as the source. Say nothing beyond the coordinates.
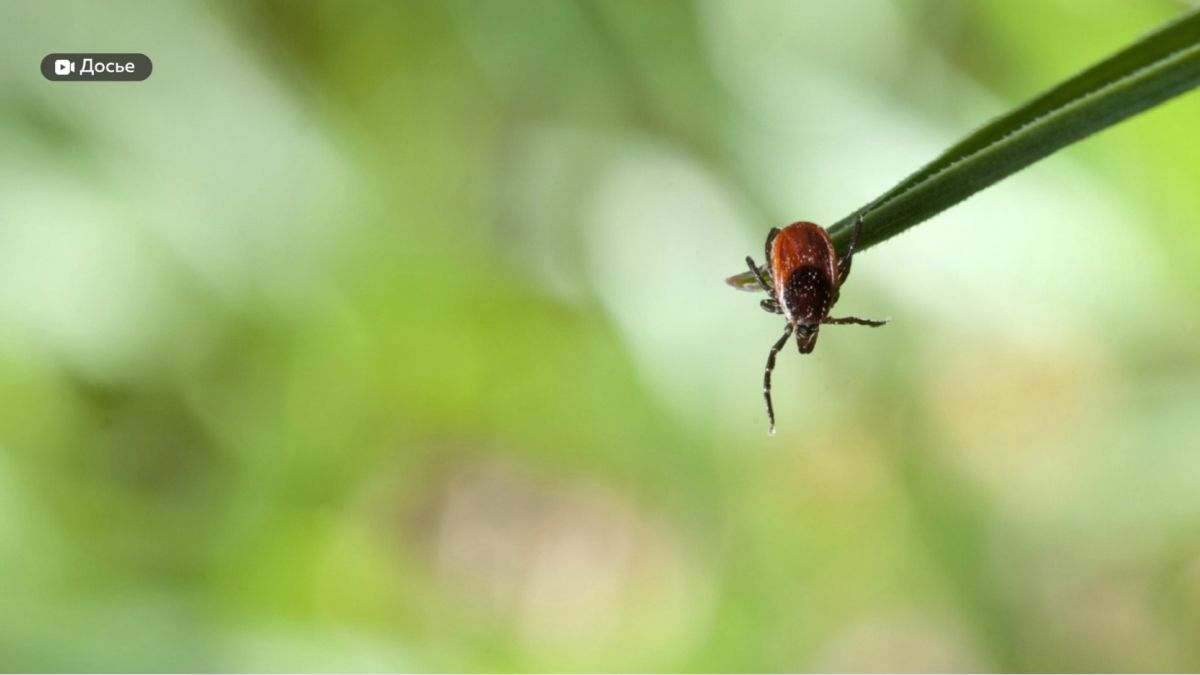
(376, 336)
(1156, 68)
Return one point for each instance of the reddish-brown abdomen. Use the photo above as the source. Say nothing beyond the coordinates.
(803, 244)
(804, 268)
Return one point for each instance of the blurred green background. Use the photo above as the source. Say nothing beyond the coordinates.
(392, 336)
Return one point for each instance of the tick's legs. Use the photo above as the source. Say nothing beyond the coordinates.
(763, 279)
(758, 274)
(771, 306)
(844, 264)
(855, 321)
(771, 239)
(787, 333)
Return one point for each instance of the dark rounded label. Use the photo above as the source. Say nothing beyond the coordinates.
(96, 67)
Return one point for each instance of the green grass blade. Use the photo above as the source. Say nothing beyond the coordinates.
(1159, 66)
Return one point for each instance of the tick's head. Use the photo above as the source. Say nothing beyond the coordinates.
(806, 337)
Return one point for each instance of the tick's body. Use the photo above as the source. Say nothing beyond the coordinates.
(803, 276)
(804, 272)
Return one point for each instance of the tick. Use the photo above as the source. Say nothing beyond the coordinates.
(803, 277)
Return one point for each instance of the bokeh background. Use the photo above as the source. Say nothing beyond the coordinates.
(382, 336)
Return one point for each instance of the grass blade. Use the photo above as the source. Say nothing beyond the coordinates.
(1156, 68)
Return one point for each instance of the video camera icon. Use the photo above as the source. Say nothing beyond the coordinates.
(64, 66)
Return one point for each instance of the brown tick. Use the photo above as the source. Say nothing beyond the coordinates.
(803, 276)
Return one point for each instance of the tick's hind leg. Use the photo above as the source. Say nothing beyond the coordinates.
(854, 320)
(758, 274)
(771, 239)
(844, 263)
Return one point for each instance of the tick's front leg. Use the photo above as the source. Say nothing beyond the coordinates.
(854, 320)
